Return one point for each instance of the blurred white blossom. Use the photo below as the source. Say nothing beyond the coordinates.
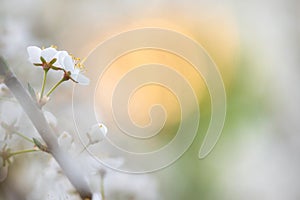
(66, 141)
(60, 186)
(14, 35)
(119, 185)
(97, 196)
(130, 186)
(10, 114)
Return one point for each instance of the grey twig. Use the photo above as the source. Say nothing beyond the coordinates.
(68, 165)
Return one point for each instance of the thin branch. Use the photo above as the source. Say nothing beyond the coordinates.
(68, 165)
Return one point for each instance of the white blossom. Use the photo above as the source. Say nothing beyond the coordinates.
(35, 54)
(130, 186)
(63, 61)
(52, 175)
(10, 114)
(68, 63)
(121, 185)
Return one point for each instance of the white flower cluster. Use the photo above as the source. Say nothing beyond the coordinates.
(57, 60)
(47, 178)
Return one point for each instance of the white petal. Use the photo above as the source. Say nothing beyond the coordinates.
(76, 70)
(34, 54)
(81, 79)
(74, 76)
(97, 196)
(60, 56)
(68, 63)
(48, 53)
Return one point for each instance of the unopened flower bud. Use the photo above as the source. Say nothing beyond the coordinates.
(96, 133)
(43, 100)
(65, 140)
(51, 119)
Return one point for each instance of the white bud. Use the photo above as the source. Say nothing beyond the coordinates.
(43, 100)
(51, 119)
(96, 133)
(4, 91)
(65, 140)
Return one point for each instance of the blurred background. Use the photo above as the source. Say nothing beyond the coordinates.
(256, 46)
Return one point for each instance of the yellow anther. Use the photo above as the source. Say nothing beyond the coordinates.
(80, 66)
(54, 46)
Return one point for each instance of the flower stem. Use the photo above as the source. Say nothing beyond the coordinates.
(22, 152)
(55, 86)
(44, 83)
(86, 146)
(24, 136)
